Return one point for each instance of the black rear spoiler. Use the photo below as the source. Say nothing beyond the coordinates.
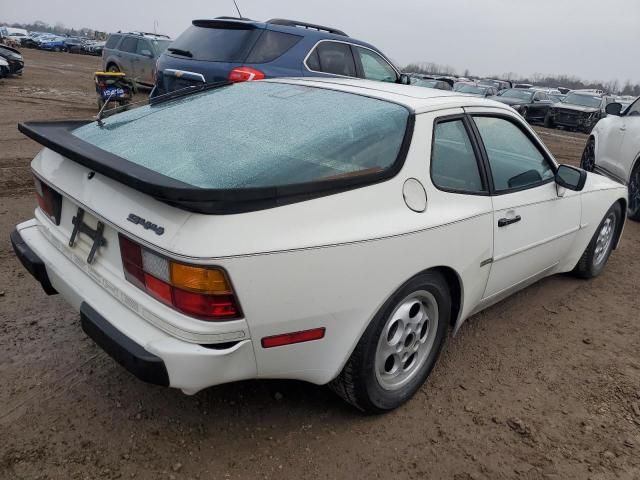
(58, 136)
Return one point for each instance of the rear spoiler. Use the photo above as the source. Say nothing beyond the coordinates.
(58, 136)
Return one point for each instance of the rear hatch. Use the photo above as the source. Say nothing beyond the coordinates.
(213, 48)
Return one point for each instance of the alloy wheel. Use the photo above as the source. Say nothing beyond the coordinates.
(604, 240)
(406, 340)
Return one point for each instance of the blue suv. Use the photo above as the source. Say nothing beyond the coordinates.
(238, 49)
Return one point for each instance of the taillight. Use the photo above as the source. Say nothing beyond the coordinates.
(49, 200)
(245, 74)
(201, 292)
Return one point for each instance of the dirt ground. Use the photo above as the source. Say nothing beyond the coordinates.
(543, 385)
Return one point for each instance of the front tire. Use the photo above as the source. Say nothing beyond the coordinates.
(548, 121)
(597, 253)
(113, 68)
(525, 113)
(633, 212)
(588, 160)
(399, 348)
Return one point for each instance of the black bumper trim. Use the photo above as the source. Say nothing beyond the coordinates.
(31, 261)
(144, 365)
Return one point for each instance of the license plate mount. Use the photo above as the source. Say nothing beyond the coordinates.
(94, 234)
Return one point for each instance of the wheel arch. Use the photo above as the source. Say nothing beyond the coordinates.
(454, 281)
(623, 205)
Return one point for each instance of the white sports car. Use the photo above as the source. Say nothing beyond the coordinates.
(331, 231)
(613, 149)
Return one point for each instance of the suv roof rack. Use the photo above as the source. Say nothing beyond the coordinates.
(142, 34)
(295, 23)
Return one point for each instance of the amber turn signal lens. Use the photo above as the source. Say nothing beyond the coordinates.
(202, 280)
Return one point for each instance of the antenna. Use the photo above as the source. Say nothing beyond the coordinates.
(236, 4)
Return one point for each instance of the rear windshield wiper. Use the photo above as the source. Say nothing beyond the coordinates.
(179, 51)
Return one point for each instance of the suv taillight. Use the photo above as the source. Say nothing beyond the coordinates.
(201, 292)
(49, 200)
(245, 74)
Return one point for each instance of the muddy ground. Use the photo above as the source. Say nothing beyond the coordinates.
(543, 385)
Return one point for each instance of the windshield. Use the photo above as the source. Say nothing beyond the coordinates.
(474, 89)
(523, 95)
(583, 100)
(257, 134)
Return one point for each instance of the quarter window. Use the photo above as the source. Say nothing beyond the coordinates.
(112, 41)
(144, 48)
(515, 162)
(453, 162)
(336, 58)
(374, 67)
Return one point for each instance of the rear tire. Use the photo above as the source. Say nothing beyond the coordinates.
(113, 68)
(633, 212)
(548, 121)
(597, 253)
(399, 348)
(588, 160)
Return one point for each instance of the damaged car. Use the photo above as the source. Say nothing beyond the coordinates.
(13, 58)
(578, 111)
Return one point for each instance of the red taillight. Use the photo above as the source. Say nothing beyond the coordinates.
(293, 337)
(202, 292)
(49, 200)
(245, 74)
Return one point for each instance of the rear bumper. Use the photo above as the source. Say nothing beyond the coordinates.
(151, 354)
(31, 261)
(144, 365)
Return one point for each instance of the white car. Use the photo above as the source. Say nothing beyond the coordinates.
(613, 149)
(326, 230)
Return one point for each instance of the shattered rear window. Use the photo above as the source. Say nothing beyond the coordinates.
(257, 134)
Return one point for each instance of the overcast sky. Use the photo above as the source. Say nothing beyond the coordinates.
(592, 39)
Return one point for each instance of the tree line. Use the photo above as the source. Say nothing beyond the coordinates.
(567, 81)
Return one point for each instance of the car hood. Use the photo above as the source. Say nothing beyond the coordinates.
(509, 100)
(574, 108)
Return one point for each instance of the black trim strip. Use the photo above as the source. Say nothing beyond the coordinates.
(58, 137)
(30, 260)
(133, 357)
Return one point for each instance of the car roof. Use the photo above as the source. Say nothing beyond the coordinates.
(415, 98)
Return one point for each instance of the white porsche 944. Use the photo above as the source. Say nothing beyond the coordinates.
(332, 231)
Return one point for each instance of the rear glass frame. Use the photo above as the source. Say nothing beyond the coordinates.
(201, 51)
(59, 137)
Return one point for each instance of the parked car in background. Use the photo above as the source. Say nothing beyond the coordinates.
(14, 59)
(523, 86)
(531, 104)
(498, 84)
(5, 71)
(431, 83)
(53, 44)
(556, 97)
(580, 110)
(153, 251)
(74, 45)
(613, 149)
(13, 36)
(93, 47)
(475, 89)
(134, 53)
(231, 49)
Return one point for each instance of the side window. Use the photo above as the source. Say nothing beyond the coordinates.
(271, 45)
(453, 162)
(129, 44)
(112, 41)
(515, 160)
(374, 67)
(144, 48)
(336, 58)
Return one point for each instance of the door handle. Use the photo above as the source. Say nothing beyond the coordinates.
(623, 129)
(503, 222)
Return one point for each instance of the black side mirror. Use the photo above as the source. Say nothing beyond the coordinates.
(613, 109)
(404, 79)
(571, 178)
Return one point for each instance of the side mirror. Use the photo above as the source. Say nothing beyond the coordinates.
(571, 178)
(613, 109)
(404, 79)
